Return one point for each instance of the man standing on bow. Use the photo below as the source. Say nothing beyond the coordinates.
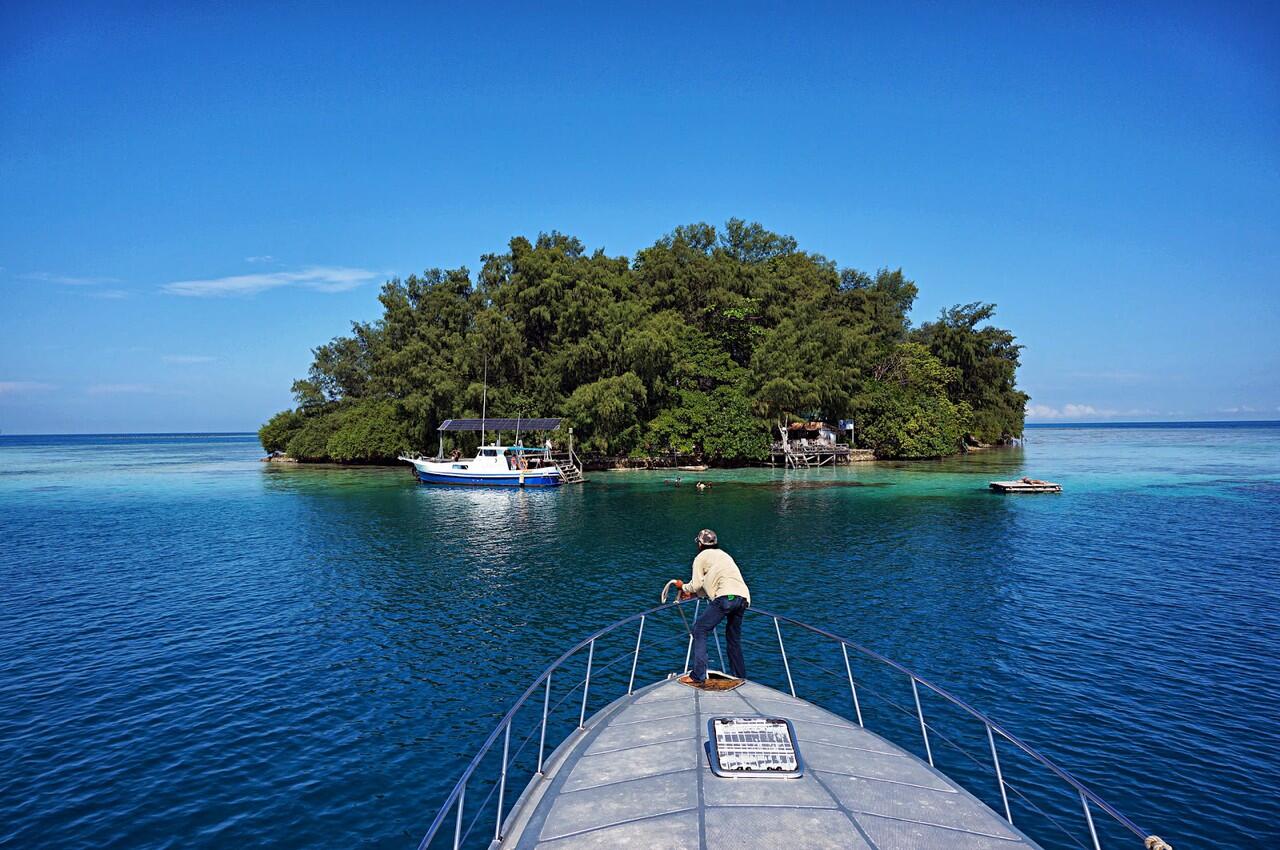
(716, 576)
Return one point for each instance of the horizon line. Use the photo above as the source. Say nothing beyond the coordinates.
(1058, 423)
(1041, 424)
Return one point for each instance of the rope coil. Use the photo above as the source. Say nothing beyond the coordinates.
(1155, 842)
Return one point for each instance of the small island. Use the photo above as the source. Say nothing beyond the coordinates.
(706, 347)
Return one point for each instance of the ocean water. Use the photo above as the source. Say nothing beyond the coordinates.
(201, 650)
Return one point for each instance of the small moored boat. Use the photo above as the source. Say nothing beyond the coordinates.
(496, 465)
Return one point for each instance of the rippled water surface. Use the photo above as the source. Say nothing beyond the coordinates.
(201, 650)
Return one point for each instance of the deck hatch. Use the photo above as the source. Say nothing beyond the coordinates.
(753, 746)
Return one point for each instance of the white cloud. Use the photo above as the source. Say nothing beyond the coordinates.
(120, 389)
(264, 258)
(70, 280)
(88, 284)
(185, 359)
(1242, 408)
(318, 278)
(1084, 411)
(1067, 411)
(7, 387)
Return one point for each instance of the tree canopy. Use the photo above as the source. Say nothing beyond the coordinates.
(700, 345)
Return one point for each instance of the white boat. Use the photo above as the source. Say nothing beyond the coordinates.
(496, 465)
(758, 767)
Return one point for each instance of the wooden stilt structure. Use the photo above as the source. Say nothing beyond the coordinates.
(800, 455)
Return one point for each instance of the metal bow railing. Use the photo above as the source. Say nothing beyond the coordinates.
(456, 800)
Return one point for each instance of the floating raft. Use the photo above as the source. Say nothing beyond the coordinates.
(1026, 485)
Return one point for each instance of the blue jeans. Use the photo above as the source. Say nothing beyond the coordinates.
(719, 609)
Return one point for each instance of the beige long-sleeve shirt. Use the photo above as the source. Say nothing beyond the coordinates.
(716, 574)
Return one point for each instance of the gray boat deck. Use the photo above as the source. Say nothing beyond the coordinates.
(637, 777)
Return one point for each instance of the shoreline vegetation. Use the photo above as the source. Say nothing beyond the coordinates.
(703, 347)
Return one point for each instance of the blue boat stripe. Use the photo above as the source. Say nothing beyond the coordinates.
(490, 481)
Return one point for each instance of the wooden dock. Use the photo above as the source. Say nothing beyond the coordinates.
(1026, 485)
(806, 456)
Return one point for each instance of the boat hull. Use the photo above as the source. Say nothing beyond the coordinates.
(529, 479)
(743, 813)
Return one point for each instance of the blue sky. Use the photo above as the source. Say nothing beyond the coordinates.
(194, 199)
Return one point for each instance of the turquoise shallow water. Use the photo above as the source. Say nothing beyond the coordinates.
(200, 650)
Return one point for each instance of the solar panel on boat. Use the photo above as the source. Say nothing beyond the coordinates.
(753, 747)
(499, 425)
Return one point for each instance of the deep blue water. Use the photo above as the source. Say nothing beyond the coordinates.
(201, 650)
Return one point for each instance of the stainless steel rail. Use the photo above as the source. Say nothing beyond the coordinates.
(457, 797)
(992, 727)
(456, 800)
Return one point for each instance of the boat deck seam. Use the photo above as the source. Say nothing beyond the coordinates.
(760, 805)
(702, 796)
(568, 792)
(939, 826)
(899, 755)
(635, 747)
(831, 772)
(617, 823)
(846, 812)
(848, 726)
(661, 701)
(649, 719)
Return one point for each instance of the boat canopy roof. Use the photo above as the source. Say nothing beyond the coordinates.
(499, 425)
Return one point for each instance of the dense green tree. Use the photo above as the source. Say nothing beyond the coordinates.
(701, 345)
(369, 430)
(311, 440)
(606, 413)
(905, 411)
(275, 434)
(810, 367)
(718, 426)
(884, 301)
(985, 360)
(308, 395)
(341, 368)
(732, 433)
